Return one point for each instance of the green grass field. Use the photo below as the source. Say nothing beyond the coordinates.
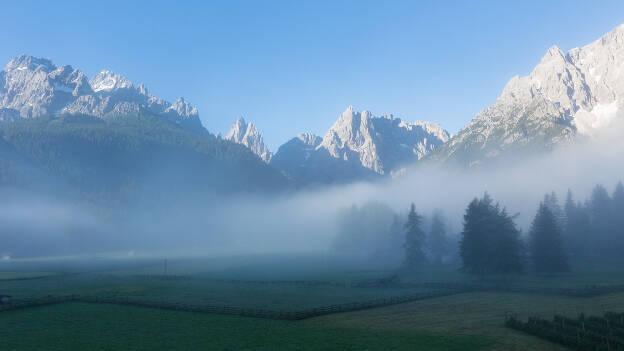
(81, 326)
(481, 314)
(466, 321)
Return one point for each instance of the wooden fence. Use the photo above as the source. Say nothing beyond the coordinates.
(229, 310)
(442, 289)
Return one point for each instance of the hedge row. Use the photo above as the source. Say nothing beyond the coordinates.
(583, 334)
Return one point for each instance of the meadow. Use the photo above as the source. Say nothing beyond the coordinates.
(472, 319)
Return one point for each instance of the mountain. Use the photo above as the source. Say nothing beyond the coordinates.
(382, 144)
(303, 159)
(129, 160)
(298, 148)
(109, 141)
(32, 87)
(358, 146)
(567, 95)
(247, 134)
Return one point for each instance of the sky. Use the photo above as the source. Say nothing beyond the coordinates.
(293, 66)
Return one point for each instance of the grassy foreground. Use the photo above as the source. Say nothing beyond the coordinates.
(469, 321)
(481, 314)
(82, 326)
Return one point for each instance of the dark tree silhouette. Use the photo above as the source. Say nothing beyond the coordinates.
(618, 216)
(437, 237)
(576, 228)
(414, 240)
(552, 202)
(490, 241)
(601, 228)
(546, 245)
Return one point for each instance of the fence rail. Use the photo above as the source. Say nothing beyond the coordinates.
(442, 289)
(229, 310)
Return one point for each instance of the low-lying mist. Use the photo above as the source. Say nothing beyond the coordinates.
(305, 220)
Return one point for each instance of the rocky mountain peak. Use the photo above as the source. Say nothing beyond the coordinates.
(30, 63)
(566, 94)
(108, 81)
(183, 108)
(246, 133)
(32, 87)
(309, 139)
(381, 144)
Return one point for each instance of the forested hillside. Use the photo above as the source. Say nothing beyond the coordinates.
(125, 159)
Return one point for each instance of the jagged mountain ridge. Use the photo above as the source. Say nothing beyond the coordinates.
(382, 144)
(32, 87)
(247, 134)
(358, 146)
(566, 95)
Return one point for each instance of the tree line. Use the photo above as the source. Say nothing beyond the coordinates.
(491, 242)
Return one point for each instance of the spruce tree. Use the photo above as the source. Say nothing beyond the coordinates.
(507, 248)
(576, 228)
(490, 241)
(618, 216)
(552, 202)
(437, 237)
(600, 211)
(414, 240)
(546, 246)
(569, 213)
(473, 242)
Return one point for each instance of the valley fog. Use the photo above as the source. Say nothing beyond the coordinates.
(304, 220)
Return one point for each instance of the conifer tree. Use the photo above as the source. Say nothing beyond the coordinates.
(414, 240)
(437, 237)
(474, 239)
(507, 251)
(576, 228)
(552, 202)
(600, 211)
(618, 216)
(546, 246)
(490, 241)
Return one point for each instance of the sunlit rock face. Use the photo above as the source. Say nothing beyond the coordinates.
(359, 146)
(247, 134)
(577, 93)
(381, 144)
(33, 87)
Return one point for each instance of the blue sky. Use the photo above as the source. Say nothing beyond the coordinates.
(294, 66)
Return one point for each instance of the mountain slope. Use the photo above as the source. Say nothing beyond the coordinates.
(303, 159)
(566, 95)
(32, 87)
(127, 160)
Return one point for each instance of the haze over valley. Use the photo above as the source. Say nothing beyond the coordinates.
(131, 166)
(312, 176)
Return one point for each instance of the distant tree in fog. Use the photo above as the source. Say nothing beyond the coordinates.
(601, 228)
(618, 216)
(545, 243)
(414, 240)
(552, 202)
(438, 244)
(576, 228)
(363, 229)
(390, 251)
